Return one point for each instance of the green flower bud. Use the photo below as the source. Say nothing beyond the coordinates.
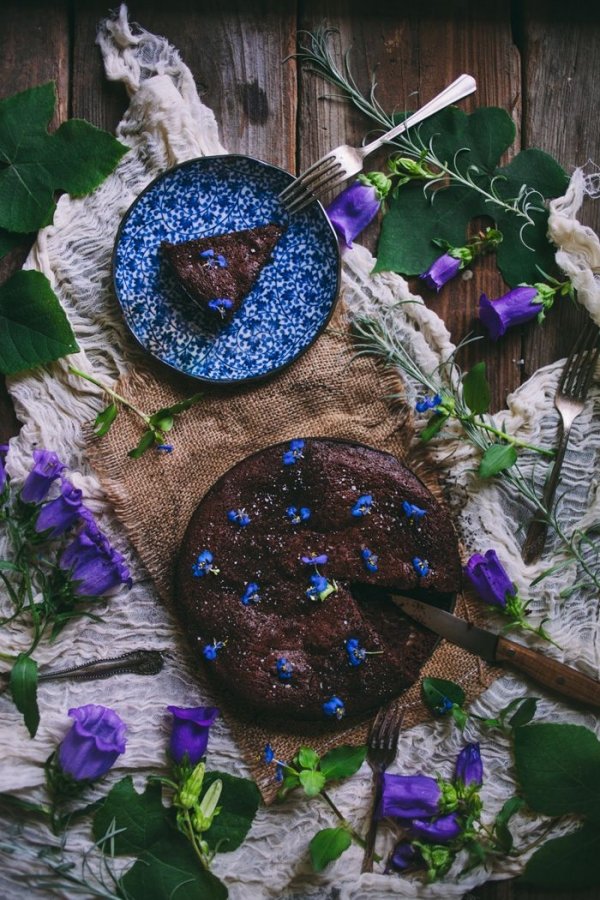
(449, 798)
(190, 789)
(379, 181)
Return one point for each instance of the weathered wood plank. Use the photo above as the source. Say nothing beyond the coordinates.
(562, 72)
(235, 51)
(34, 49)
(417, 52)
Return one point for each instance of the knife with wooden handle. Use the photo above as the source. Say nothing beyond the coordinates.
(497, 649)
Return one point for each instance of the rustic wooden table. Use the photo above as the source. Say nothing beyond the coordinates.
(539, 60)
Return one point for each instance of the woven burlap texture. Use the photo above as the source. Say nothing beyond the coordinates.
(326, 393)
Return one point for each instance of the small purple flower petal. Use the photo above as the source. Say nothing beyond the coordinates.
(425, 403)
(408, 796)
(60, 514)
(211, 651)
(220, 305)
(189, 734)
(251, 594)
(356, 654)
(240, 516)
(284, 669)
(363, 506)
(296, 516)
(46, 469)
(91, 747)
(413, 512)
(334, 708)
(204, 564)
(403, 857)
(315, 560)
(441, 271)
(513, 308)
(436, 831)
(469, 768)
(294, 453)
(369, 559)
(3, 476)
(489, 578)
(269, 754)
(421, 566)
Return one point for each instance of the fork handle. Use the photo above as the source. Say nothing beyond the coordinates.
(462, 87)
(369, 851)
(538, 528)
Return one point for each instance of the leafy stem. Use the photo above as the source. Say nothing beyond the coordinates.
(507, 438)
(356, 837)
(145, 417)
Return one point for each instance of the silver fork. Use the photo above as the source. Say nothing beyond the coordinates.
(383, 743)
(569, 401)
(345, 161)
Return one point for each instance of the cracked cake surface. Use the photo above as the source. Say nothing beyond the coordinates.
(283, 571)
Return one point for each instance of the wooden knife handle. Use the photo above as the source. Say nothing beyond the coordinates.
(554, 675)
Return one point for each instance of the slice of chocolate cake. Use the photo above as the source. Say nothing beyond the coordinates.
(218, 272)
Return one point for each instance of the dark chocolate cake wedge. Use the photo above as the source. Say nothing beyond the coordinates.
(218, 272)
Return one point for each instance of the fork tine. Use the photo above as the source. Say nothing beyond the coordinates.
(308, 175)
(306, 190)
(298, 205)
(580, 365)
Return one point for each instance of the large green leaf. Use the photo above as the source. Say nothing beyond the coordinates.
(568, 863)
(497, 458)
(35, 164)
(327, 845)
(558, 768)
(473, 145)
(476, 390)
(23, 687)
(142, 817)
(342, 762)
(33, 326)
(239, 801)
(171, 871)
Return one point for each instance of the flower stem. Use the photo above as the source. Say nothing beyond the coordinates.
(108, 390)
(511, 439)
(346, 824)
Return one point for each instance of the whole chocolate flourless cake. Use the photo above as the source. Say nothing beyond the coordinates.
(282, 576)
(218, 272)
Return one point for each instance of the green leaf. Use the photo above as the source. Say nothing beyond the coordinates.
(23, 687)
(435, 690)
(568, 863)
(162, 421)
(525, 712)
(476, 390)
(142, 816)
(497, 458)
(433, 426)
(7, 566)
(307, 758)
(179, 407)
(501, 829)
(342, 762)
(312, 782)
(474, 145)
(9, 240)
(327, 845)
(146, 441)
(171, 870)
(33, 326)
(105, 419)
(239, 801)
(290, 782)
(558, 768)
(35, 164)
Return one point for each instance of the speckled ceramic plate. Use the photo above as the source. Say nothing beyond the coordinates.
(285, 311)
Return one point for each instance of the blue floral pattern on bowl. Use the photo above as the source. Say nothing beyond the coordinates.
(288, 306)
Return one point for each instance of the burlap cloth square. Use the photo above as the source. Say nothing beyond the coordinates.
(326, 393)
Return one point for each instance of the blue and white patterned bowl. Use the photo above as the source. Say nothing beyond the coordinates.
(288, 306)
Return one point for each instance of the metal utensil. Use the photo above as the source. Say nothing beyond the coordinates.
(382, 746)
(345, 161)
(569, 401)
(136, 662)
(497, 649)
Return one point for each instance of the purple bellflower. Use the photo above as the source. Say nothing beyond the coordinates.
(489, 578)
(91, 747)
(46, 469)
(190, 730)
(514, 308)
(409, 796)
(3, 452)
(437, 831)
(97, 569)
(442, 270)
(60, 514)
(357, 205)
(469, 768)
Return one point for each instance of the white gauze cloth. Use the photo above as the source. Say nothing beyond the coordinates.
(166, 123)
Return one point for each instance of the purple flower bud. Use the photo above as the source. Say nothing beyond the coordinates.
(46, 469)
(58, 515)
(97, 569)
(408, 796)
(96, 739)
(190, 732)
(3, 452)
(437, 831)
(469, 768)
(513, 308)
(404, 856)
(489, 578)
(353, 210)
(441, 271)
(315, 560)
